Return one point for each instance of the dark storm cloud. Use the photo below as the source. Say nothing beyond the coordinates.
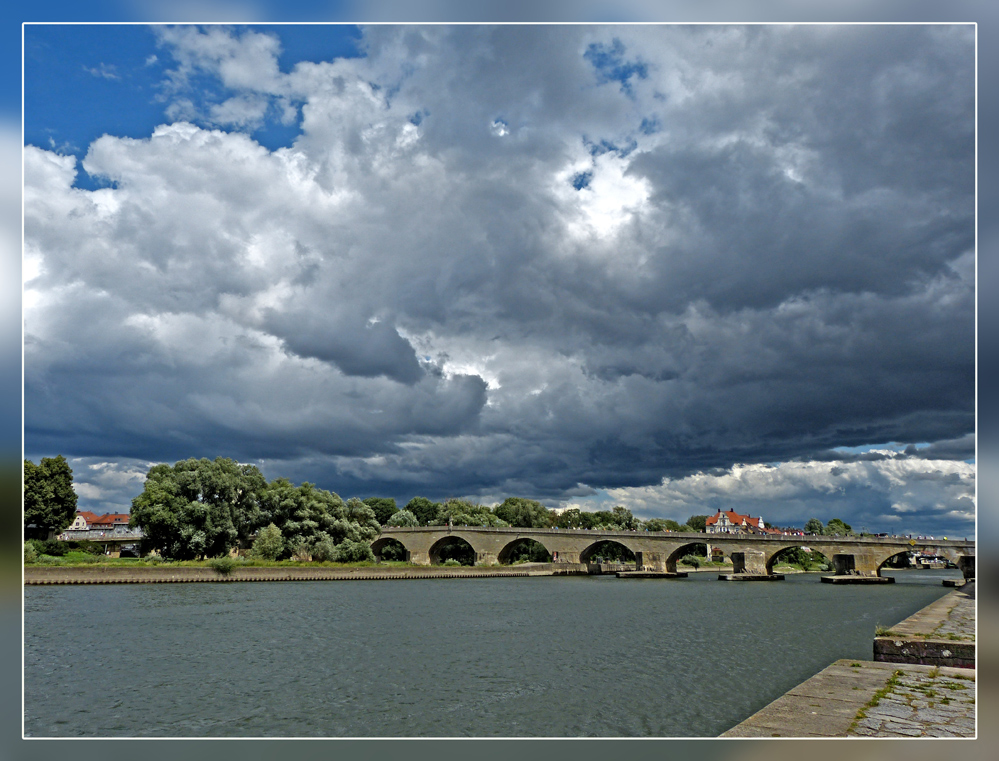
(771, 257)
(356, 349)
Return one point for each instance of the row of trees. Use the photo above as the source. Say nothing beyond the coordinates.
(528, 513)
(207, 508)
(835, 527)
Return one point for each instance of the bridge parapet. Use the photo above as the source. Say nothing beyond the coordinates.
(660, 550)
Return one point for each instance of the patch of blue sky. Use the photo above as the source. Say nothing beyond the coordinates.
(581, 180)
(314, 42)
(81, 82)
(84, 81)
(611, 66)
(650, 126)
(606, 146)
(893, 446)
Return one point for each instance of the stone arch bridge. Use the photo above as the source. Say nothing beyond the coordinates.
(660, 551)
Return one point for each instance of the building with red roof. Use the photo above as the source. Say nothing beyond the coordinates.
(82, 520)
(731, 522)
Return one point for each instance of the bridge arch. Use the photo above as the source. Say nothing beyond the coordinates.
(884, 563)
(684, 549)
(520, 546)
(452, 547)
(389, 548)
(618, 551)
(773, 558)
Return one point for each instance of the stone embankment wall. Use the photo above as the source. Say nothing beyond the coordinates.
(941, 634)
(146, 575)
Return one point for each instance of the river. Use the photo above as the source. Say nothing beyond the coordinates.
(481, 657)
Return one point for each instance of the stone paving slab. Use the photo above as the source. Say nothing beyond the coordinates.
(922, 702)
(870, 699)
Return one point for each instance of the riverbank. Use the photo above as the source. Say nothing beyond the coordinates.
(161, 574)
(158, 574)
(921, 683)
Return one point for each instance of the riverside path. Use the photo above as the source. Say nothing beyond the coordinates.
(659, 551)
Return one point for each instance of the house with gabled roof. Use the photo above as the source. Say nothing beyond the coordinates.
(82, 520)
(731, 522)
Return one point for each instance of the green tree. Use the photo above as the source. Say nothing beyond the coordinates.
(426, 512)
(403, 518)
(570, 518)
(311, 519)
(523, 513)
(49, 498)
(661, 524)
(697, 522)
(624, 519)
(692, 561)
(383, 507)
(838, 526)
(269, 543)
(351, 551)
(461, 512)
(813, 526)
(198, 507)
(794, 556)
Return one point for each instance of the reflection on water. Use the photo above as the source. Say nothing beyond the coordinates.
(485, 657)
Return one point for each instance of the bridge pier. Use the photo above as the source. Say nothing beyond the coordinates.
(750, 565)
(967, 565)
(856, 568)
(855, 564)
(419, 557)
(750, 561)
(486, 558)
(650, 561)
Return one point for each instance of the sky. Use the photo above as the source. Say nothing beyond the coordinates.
(675, 268)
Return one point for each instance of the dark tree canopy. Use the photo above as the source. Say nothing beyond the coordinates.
(384, 508)
(49, 498)
(814, 526)
(461, 512)
(838, 526)
(661, 524)
(523, 513)
(426, 512)
(697, 522)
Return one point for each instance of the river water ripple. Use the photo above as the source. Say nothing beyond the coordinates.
(483, 657)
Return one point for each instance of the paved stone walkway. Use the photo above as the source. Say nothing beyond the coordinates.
(919, 703)
(960, 624)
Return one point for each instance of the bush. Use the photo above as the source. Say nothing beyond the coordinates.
(91, 548)
(324, 549)
(53, 547)
(403, 518)
(224, 565)
(451, 562)
(353, 552)
(269, 543)
(691, 560)
(30, 553)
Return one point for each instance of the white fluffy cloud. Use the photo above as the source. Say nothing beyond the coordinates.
(884, 493)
